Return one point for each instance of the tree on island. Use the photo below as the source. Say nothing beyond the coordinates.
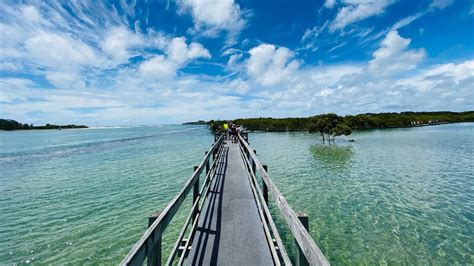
(331, 125)
(339, 130)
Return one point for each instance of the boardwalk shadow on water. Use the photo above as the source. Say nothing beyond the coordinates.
(332, 155)
(210, 236)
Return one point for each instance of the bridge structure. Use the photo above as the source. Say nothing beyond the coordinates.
(229, 222)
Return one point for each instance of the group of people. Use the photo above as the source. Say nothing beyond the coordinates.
(232, 131)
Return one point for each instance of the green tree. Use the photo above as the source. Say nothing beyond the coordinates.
(324, 124)
(341, 129)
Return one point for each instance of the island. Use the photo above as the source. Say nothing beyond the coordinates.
(354, 122)
(9, 124)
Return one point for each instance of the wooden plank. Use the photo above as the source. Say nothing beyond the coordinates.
(311, 251)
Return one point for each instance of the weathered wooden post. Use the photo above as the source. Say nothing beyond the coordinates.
(196, 186)
(264, 186)
(207, 163)
(253, 162)
(195, 191)
(154, 255)
(300, 257)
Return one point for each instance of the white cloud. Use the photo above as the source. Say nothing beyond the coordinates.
(357, 10)
(234, 63)
(118, 42)
(329, 3)
(65, 80)
(8, 66)
(212, 16)
(31, 14)
(312, 34)
(435, 76)
(52, 49)
(406, 21)
(159, 66)
(440, 4)
(394, 57)
(325, 92)
(330, 75)
(178, 54)
(311, 37)
(239, 86)
(270, 65)
(216, 13)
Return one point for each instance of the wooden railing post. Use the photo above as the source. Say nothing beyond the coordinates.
(154, 255)
(195, 191)
(207, 163)
(214, 153)
(264, 186)
(196, 186)
(253, 162)
(245, 136)
(300, 257)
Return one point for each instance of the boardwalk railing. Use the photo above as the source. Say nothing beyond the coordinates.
(149, 245)
(311, 254)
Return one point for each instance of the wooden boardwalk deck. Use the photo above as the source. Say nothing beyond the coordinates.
(230, 231)
(229, 222)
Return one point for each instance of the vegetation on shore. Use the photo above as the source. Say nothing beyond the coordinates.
(8, 124)
(333, 125)
(199, 122)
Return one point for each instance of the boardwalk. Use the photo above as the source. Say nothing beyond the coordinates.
(230, 231)
(229, 222)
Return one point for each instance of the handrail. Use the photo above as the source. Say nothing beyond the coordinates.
(311, 251)
(266, 212)
(196, 209)
(152, 235)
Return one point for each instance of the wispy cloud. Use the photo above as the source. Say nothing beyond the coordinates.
(354, 11)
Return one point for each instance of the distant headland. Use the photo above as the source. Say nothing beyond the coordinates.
(199, 122)
(9, 124)
(355, 122)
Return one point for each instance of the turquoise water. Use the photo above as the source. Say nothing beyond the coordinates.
(392, 196)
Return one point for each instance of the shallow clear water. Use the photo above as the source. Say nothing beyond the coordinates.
(392, 196)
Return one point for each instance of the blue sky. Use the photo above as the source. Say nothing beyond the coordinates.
(155, 62)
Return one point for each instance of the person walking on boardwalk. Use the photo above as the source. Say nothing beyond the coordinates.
(226, 130)
(229, 132)
(234, 133)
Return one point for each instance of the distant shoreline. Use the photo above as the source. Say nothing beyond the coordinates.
(12, 125)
